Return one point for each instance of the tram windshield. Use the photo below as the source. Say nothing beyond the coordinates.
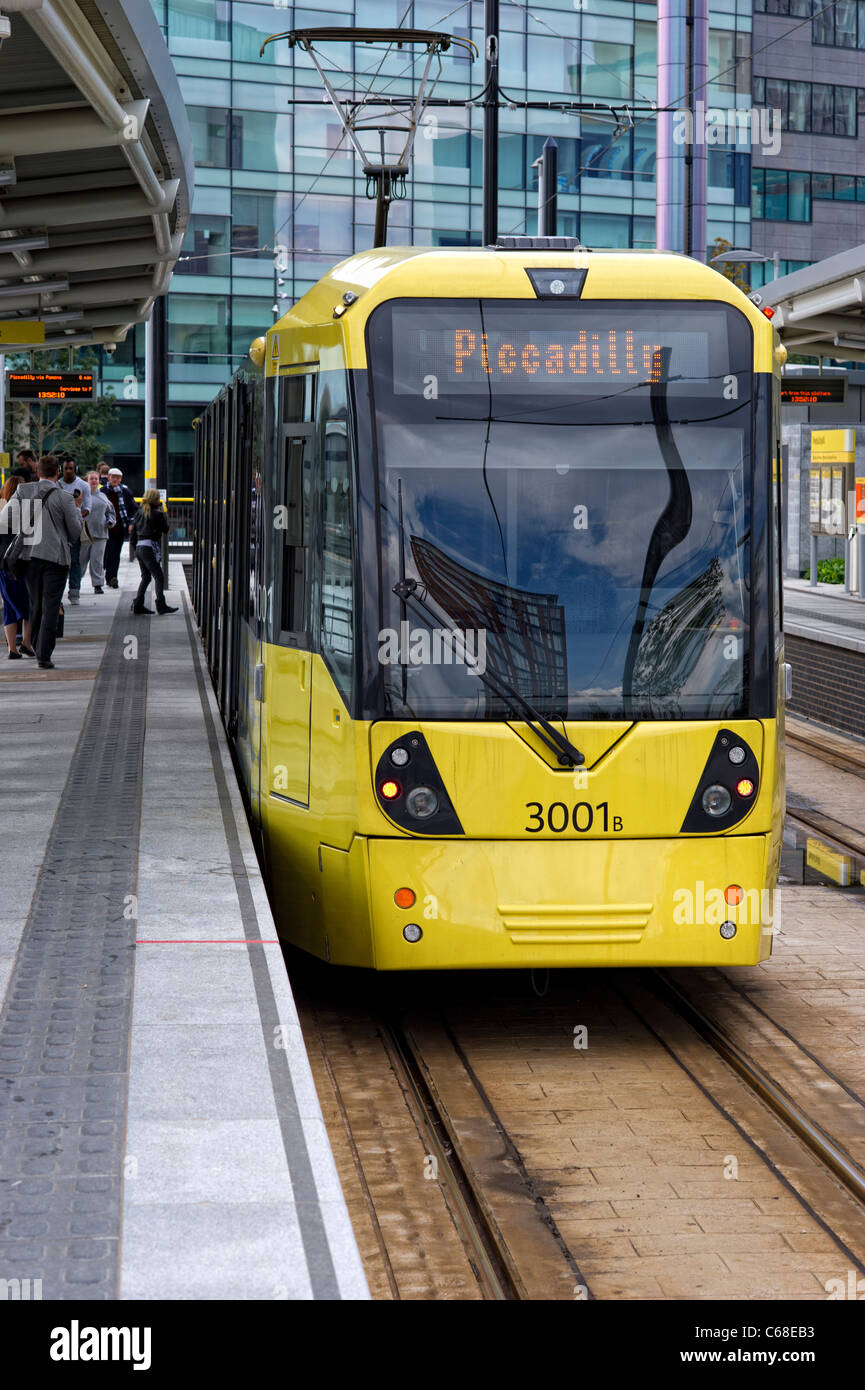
(567, 484)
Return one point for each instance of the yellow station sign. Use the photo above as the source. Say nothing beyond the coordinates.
(833, 446)
(21, 331)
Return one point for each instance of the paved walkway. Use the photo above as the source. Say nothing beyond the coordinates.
(160, 1133)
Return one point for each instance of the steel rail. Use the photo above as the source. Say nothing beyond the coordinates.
(831, 1154)
(491, 1263)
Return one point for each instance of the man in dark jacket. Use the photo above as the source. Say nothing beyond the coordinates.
(52, 518)
(123, 501)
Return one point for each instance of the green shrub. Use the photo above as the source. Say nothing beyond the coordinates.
(829, 571)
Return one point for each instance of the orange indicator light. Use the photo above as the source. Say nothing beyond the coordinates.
(745, 787)
(733, 894)
(389, 790)
(404, 897)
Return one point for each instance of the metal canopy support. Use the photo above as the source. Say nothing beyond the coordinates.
(670, 162)
(491, 124)
(548, 189)
(698, 79)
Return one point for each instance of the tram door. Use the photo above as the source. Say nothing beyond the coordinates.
(289, 680)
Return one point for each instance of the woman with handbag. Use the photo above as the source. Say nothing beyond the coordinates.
(148, 528)
(44, 554)
(16, 601)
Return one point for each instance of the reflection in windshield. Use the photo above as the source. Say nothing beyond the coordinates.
(547, 554)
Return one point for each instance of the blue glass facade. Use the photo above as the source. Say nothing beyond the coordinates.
(271, 168)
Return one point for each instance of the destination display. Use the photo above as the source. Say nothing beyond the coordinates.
(471, 352)
(814, 390)
(50, 386)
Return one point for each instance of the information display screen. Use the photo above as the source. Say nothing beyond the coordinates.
(50, 386)
(813, 390)
(540, 348)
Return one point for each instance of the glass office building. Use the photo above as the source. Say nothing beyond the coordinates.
(271, 168)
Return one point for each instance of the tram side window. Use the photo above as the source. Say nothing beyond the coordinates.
(336, 511)
(297, 395)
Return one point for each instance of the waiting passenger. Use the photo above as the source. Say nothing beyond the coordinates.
(94, 539)
(16, 601)
(49, 556)
(148, 528)
(123, 502)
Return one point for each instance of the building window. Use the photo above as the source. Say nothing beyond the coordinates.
(803, 8)
(199, 19)
(607, 229)
(785, 195)
(841, 25)
(845, 188)
(250, 318)
(261, 140)
(780, 195)
(816, 108)
(206, 246)
(257, 220)
(210, 130)
(730, 168)
(198, 326)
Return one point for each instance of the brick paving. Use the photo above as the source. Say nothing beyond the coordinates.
(818, 785)
(631, 1156)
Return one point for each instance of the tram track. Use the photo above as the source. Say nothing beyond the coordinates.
(512, 1246)
(828, 747)
(811, 820)
(831, 1153)
(489, 1255)
(514, 1205)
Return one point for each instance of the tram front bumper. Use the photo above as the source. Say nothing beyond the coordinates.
(504, 903)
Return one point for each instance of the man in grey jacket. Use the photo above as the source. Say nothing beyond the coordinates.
(100, 520)
(53, 520)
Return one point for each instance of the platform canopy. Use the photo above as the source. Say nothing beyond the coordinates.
(96, 169)
(820, 311)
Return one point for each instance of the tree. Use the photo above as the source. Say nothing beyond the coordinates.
(71, 427)
(731, 270)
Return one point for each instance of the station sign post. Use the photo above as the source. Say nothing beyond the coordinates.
(832, 475)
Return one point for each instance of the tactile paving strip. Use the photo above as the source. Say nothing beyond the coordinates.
(64, 1026)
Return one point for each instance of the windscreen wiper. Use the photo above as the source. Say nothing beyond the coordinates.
(565, 752)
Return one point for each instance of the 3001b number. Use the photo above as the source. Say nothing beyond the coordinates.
(581, 817)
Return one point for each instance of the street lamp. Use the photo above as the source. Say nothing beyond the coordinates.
(749, 256)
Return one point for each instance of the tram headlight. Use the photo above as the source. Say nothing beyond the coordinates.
(737, 755)
(421, 802)
(716, 800)
(399, 756)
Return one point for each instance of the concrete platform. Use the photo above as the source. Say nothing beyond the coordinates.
(824, 638)
(160, 1133)
(824, 614)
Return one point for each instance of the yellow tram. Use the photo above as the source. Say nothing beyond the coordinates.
(487, 569)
